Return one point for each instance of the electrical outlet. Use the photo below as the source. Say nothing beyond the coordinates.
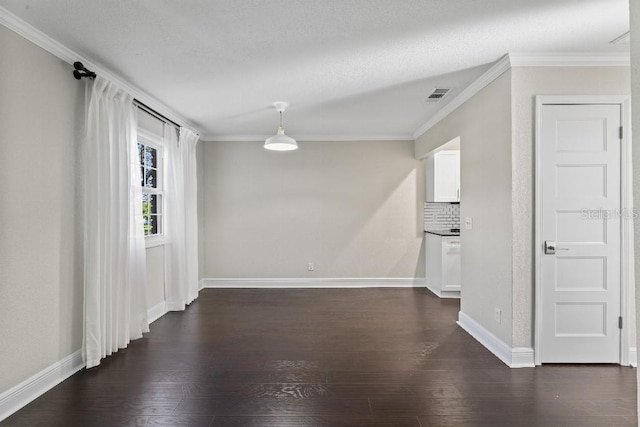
(468, 223)
(310, 266)
(497, 315)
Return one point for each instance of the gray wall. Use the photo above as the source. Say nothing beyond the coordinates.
(483, 124)
(40, 257)
(527, 82)
(497, 183)
(41, 284)
(200, 178)
(352, 208)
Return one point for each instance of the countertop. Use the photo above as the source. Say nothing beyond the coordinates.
(444, 233)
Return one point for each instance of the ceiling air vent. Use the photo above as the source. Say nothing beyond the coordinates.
(437, 94)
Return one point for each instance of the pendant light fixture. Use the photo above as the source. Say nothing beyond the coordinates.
(280, 141)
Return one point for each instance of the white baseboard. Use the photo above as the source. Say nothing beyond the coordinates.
(288, 283)
(157, 311)
(519, 357)
(633, 356)
(522, 357)
(32, 388)
(444, 294)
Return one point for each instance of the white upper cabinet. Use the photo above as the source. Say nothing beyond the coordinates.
(443, 177)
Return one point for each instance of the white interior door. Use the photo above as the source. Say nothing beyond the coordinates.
(580, 217)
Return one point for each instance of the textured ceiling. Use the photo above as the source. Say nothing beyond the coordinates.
(349, 68)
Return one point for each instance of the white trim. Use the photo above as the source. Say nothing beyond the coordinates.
(52, 46)
(510, 60)
(157, 311)
(537, 226)
(625, 112)
(519, 357)
(633, 357)
(522, 357)
(444, 294)
(329, 282)
(154, 241)
(309, 138)
(499, 68)
(570, 59)
(626, 192)
(17, 397)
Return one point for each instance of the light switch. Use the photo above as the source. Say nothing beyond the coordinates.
(468, 223)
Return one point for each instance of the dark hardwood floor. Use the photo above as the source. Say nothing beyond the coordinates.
(321, 357)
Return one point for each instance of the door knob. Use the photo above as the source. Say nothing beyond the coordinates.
(550, 247)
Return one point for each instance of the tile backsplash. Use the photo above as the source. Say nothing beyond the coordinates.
(441, 216)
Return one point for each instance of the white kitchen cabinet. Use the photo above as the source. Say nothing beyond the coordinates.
(443, 176)
(442, 265)
(451, 263)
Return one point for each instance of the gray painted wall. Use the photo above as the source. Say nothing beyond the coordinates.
(200, 178)
(352, 208)
(40, 252)
(527, 82)
(499, 122)
(483, 124)
(41, 284)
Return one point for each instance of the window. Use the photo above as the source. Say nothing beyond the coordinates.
(151, 168)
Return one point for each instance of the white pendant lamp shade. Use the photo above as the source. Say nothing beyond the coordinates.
(280, 141)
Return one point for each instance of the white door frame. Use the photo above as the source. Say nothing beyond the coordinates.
(625, 187)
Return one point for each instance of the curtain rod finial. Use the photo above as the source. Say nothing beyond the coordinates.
(81, 71)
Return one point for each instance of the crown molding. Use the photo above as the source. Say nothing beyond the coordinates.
(480, 83)
(308, 138)
(234, 138)
(59, 50)
(604, 59)
(569, 59)
(52, 46)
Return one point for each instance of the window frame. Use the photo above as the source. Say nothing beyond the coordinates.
(156, 142)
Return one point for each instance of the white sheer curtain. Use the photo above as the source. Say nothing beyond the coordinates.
(181, 221)
(115, 309)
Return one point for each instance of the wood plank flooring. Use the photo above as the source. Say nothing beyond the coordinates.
(327, 357)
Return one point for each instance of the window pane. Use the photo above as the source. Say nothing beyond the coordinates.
(150, 157)
(147, 207)
(154, 204)
(147, 225)
(154, 224)
(140, 151)
(150, 178)
(157, 203)
(151, 203)
(146, 204)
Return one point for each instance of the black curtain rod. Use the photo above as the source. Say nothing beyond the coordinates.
(81, 71)
(154, 113)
